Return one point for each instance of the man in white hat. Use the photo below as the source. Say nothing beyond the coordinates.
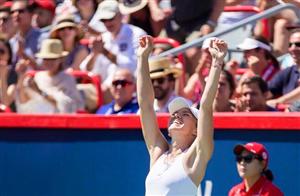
(115, 47)
(118, 44)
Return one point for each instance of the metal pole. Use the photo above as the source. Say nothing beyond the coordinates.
(265, 14)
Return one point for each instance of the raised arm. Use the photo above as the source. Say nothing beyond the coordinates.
(155, 141)
(201, 150)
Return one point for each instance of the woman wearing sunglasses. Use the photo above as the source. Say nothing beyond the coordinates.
(179, 167)
(252, 165)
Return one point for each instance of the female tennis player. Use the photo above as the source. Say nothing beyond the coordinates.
(178, 168)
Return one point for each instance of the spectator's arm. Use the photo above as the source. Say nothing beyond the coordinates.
(79, 57)
(295, 2)
(290, 97)
(276, 85)
(97, 47)
(3, 83)
(157, 14)
(211, 23)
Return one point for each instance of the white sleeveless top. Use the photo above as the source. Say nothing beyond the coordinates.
(169, 178)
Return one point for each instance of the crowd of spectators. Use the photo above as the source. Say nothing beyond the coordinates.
(42, 42)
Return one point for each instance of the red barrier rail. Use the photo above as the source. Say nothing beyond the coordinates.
(253, 121)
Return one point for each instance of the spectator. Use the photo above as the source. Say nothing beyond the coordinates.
(7, 26)
(226, 89)
(254, 93)
(191, 130)
(95, 26)
(118, 44)
(163, 77)
(277, 24)
(189, 20)
(27, 40)
(52, 90)
(259, 60)
(138, 13)
(85, 12)
(44, 13)
(252, 161)
(229, 18)
(123, 92)
(8, 76)
(195, 84)
(285, 85)
(68, 32)
(114, 47)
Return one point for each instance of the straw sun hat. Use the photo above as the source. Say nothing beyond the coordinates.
(131, 6)
(162, 67)
(51, 49)
(64, 21)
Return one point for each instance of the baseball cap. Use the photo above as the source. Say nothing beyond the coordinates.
(46, 4)
(179, 103)
(253, 147)
(249, 44)
(108, 9)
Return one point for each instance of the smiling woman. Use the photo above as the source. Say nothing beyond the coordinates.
(179, 167)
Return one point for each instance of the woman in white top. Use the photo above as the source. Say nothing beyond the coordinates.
(179, 167)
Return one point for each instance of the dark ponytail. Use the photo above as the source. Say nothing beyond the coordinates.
(269, 175)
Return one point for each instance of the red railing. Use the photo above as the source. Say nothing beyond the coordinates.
(246, 120)
(84, 77)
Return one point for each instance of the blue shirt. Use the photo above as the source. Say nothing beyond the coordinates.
(130, 108)
(32, 44)
(284, 81)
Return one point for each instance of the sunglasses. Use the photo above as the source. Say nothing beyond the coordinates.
(158, 80)
(4, 19)
(2, 51)
(20, 11)
(123, 83)
(247, 159)
(131, 2)
(297, 44)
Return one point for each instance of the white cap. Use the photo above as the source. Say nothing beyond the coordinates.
(249, 44)
(206, 42)
(179, 103)
(108, 9)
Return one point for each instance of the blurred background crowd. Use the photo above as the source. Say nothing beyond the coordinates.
(79, 56)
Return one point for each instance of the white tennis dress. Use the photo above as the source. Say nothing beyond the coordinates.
(169, 178)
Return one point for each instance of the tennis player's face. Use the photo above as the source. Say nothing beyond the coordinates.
(183, 121)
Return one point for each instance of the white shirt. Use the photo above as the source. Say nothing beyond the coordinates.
(124, 46)
(169, 178)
